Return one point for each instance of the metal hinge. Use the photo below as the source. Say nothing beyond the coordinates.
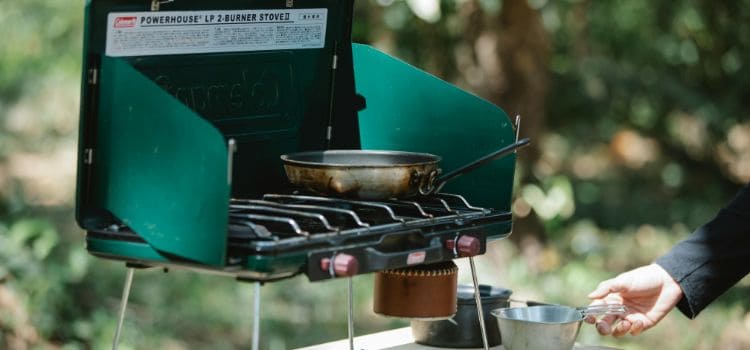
(93, 76)
(88, 156)
(518, 126)
(156, 4)
(329, 133)
(335, 61)
(231, 150)
(518, 129)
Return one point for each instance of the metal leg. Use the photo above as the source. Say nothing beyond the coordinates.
(256, 317)
(350, 315)
(478, 299)
(123, 305)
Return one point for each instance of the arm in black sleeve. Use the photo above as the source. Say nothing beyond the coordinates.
(713, 258)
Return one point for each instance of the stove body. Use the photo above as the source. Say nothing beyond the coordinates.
(187, 106)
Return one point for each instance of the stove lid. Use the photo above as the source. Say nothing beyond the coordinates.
(166, 85)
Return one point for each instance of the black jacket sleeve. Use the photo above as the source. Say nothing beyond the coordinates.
(713, 258)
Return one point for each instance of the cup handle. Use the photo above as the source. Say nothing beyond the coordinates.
(604, 309)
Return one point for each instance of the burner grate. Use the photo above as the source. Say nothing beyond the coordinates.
(279, 216)
(281, 235)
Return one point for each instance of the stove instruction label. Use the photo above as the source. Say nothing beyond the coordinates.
(188, 32)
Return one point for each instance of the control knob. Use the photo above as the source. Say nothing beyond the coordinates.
(343, 265)
(465, 246)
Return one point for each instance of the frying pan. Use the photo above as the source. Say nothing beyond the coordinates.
(376, 175)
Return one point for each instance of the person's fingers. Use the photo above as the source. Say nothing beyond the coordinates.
(636, 328)
(590, 319)
(622, 328)
(605, 324)
(603, 328)
(614, 285)
(639, 323)
(601, 290)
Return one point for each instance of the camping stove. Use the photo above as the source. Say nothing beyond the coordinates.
(187, 106)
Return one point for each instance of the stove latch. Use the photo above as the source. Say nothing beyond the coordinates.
(464, 246)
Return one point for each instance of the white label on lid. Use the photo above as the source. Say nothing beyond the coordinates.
(189, 32)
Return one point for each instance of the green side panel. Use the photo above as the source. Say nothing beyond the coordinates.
(159, 167)
(411, 110)
(499, 231)
(125, 250)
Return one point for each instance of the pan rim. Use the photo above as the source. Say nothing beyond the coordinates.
(501, 314)
(433, 159)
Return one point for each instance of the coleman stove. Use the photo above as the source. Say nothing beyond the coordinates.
(188, 105)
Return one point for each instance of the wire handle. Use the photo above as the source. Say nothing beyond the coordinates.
(603, 309)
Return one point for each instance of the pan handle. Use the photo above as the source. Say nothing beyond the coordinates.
(441, 180)
(426, 184)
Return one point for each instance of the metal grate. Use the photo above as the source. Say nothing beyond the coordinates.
(279, 216)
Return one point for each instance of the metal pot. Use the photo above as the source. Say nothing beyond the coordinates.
(376, 175)
(462, 331)
(546, 327)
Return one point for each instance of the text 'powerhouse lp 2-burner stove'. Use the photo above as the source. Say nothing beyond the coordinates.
(188, 104)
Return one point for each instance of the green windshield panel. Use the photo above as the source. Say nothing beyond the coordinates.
(160, 168)
(411, 110)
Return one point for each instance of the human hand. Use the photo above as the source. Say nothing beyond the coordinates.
(648, 292)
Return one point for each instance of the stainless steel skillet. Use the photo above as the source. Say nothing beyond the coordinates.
(376, 175)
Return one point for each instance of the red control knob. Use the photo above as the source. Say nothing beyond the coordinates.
(468, 246)
(343, 265)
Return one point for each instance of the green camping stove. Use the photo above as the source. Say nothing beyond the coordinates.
(187, 106)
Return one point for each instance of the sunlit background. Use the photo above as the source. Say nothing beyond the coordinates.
(640, 115)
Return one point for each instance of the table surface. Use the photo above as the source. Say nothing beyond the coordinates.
(401, 339)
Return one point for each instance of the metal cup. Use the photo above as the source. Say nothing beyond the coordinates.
(546, 327)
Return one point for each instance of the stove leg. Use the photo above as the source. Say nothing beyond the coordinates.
(478, 299)
(256, 317)
(123, 306)
(350, 314)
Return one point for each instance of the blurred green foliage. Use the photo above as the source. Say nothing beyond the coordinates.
(644, 135)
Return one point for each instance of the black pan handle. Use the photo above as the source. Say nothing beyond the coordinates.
(441, 180)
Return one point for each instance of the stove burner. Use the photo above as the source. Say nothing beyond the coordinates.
(332, 237)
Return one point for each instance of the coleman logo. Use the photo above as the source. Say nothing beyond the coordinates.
(416, 258)
(125, 22)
